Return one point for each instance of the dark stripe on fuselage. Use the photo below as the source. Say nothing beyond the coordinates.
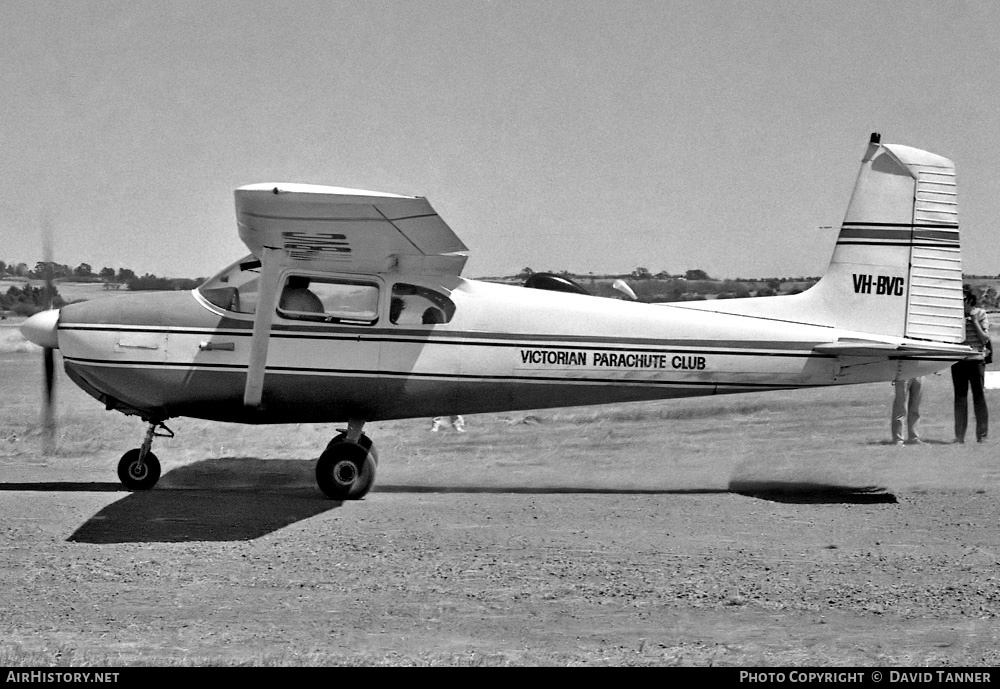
(901, 225)
(403, 374)
(901, 235)
(921, 245)
(504, 340)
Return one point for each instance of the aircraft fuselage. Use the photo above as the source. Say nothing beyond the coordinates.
(505, 348)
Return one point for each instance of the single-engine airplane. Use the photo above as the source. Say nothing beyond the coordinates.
(351, 308)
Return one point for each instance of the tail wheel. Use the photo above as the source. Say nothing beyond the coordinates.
(346, 471)
(135, 476)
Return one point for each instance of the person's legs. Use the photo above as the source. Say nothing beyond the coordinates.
(915, 388)
(898, 411)
(977, 385)
(961, 385)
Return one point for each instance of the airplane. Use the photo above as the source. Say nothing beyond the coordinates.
(351, 307)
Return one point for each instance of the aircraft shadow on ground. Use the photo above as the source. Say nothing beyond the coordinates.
(542, 490)
(65, 486)
(802, 493)
(239, 499)
(224, 499)
(812, 493)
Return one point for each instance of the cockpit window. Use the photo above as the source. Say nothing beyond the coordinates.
(416, 305)
(235, 288)
(329, 300)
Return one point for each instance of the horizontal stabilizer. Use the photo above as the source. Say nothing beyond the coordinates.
(872, 348)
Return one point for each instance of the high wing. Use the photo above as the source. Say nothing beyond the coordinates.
(333, 229)
(347, 230)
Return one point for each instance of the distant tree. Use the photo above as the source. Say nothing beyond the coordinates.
(125, 274)
(696, 275)
(148, 282)
(20, 270)
(107, 273)
(83, 271)
(30, 300)
(739, 290)
(185, 284)
(3, 267)
(49, 269)
(675, 292)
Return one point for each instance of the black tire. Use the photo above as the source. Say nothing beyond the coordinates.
(135, 478)
(364, 441)
(345, 471)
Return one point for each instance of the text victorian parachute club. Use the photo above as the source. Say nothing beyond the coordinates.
(582, 359)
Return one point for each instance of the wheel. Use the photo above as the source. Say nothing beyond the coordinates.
(364, 441)
(346, 471)
(135, 477)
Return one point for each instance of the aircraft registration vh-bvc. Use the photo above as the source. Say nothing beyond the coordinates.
(351, 308)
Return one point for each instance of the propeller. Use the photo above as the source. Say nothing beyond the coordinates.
(41, 329)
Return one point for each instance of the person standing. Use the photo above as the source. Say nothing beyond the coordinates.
(906, 407)
(970, 374)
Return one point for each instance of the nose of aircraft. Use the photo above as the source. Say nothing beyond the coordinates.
(41, 329)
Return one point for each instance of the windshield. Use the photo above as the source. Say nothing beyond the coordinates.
(235, 288)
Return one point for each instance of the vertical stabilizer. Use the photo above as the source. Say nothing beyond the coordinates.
(897, 266)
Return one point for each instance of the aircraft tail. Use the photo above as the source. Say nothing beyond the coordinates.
(897, 265)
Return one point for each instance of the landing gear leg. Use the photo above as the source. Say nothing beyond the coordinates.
(139, 469)
(346, 469)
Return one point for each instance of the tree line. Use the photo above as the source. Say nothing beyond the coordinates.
(27, 300)
(49, 270)
(45, 270)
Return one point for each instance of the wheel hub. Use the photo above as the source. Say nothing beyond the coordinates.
(345, 473)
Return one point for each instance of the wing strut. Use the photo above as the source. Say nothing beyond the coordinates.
(267, 302)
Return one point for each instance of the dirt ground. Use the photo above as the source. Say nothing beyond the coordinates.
(786, 531)
(283, 576)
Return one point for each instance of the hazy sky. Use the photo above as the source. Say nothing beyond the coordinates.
(579, 135)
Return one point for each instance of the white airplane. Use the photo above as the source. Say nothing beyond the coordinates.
(351, 307)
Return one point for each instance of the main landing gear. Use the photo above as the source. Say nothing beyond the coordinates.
(346, 469)
(139, 469)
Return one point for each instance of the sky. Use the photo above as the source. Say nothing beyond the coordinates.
(578, 135)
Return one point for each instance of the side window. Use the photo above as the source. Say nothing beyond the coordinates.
(328, 300)
(416, 305)
(234, 289)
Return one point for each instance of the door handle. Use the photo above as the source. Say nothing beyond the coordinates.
(208, 345)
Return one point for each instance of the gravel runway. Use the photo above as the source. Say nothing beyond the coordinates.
(94, 575)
